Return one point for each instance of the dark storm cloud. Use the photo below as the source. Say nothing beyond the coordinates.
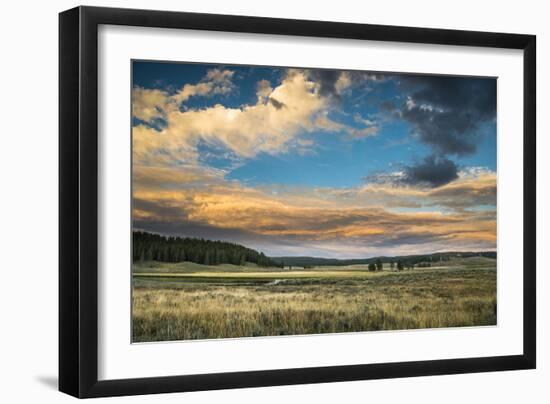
(444, 113)
(447, 112)
(433, 171)
(327, 81)
(477, 95)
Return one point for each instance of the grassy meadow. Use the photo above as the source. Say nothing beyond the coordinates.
(181, 301)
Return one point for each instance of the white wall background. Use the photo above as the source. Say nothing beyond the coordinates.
(28, 202)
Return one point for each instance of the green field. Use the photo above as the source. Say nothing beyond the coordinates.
(191, 301)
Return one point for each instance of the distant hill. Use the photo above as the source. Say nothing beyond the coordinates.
(154, 247)
(405, 259)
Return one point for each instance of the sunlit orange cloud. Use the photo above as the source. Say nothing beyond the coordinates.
(368, 214)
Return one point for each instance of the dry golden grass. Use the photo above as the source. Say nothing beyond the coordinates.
(190, 309)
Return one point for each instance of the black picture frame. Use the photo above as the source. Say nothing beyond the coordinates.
(78, 201)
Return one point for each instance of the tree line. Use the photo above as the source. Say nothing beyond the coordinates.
(407, 261)
(154, 247)
(378, 265)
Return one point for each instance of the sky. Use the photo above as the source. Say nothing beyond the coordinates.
(314, 162)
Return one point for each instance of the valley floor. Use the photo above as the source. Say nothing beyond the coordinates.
(190, 301)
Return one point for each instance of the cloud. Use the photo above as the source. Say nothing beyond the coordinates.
(447, 112)
(432, 171)
(359, 119)
(343, 82)
(362, 133)
(263, 89)
(427, 206)
(216, 81)
(148, 104)
(262, 127)
(154, 147)
(334, 83)
(472, 188)
(280, 115)
(326, 79)
(151, 104)
(200, 202)
(275, 103)
(152, 177)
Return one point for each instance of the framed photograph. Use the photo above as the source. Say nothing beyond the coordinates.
(251, 201)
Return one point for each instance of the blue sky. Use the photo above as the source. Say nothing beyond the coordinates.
(336, 141)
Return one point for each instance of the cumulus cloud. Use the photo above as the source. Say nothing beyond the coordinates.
(150, 104)
(216, 81)
(281, 114)
(262, 127)
(263, 89)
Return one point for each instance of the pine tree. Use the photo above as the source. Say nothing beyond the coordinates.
(379, 265)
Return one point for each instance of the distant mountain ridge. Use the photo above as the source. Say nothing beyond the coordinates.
(410, 259)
